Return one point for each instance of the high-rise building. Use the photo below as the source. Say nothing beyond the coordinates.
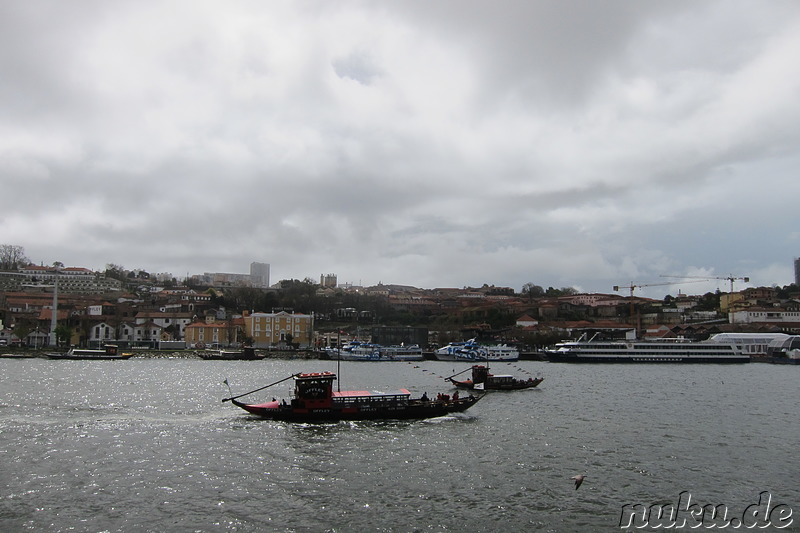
(797, 271)
(259, 274)
(328, 280)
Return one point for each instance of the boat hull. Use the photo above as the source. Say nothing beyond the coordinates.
(476, 358)
(415, 410)
(667, 351)
(516, 385)
(88, 356)
(349, 356)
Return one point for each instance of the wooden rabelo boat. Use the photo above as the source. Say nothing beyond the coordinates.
(316, 401)
(482, 379)
(109, 351)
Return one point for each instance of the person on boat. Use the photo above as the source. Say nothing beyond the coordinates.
(424, 397)
(455, 396)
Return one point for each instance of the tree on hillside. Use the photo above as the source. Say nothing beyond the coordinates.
(532, 291)
(709, 301)
(12, 257)
(563, 291)
(115, 272)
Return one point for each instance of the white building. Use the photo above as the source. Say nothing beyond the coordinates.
(764, 315)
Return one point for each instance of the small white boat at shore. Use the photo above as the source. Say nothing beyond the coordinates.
(110, 351)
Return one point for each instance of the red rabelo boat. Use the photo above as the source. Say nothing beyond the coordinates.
(482, 379)
(316, 401)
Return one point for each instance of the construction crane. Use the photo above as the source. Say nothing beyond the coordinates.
(632, 286)
(709, 278)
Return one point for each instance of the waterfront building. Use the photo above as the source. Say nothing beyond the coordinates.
(399, 335)
(269, 330)
(785, 319)
(133, 333)
(211, 332)
(174, 321)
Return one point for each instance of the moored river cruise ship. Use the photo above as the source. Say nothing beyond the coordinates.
(655, 351)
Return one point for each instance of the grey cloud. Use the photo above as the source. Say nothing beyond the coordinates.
(424, 143)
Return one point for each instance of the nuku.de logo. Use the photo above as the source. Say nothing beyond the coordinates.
(686, 514)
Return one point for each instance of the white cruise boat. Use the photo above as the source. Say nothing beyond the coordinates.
(365, 351)
(654, 351)
(471, 352)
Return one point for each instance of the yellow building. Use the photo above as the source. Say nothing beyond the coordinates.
(279, 329)
(212, 333)
(727, 301)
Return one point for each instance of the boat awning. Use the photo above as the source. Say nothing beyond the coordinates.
(366, 393)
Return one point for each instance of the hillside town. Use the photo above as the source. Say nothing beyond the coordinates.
(43, 306)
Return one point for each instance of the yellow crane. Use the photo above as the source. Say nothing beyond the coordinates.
(709, 278)
(634, 286)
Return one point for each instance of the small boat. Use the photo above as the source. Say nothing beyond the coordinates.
(472, 351)
(110, 351)
(482, 379)
(316, 401)
(245, 354)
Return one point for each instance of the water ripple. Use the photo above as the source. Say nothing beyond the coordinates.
(148, 446)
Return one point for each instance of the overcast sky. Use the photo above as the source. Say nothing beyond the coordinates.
(428, 143)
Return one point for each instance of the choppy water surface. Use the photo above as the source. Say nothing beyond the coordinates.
(146, 445)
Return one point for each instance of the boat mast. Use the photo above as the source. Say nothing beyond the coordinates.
(339, 362)
(54, 315)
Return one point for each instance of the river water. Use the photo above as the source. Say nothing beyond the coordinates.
(147, 445)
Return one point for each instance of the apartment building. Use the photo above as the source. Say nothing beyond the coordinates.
(69, 279)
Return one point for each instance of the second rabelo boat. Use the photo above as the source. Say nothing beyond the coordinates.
(316, 401)
(482, 379)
